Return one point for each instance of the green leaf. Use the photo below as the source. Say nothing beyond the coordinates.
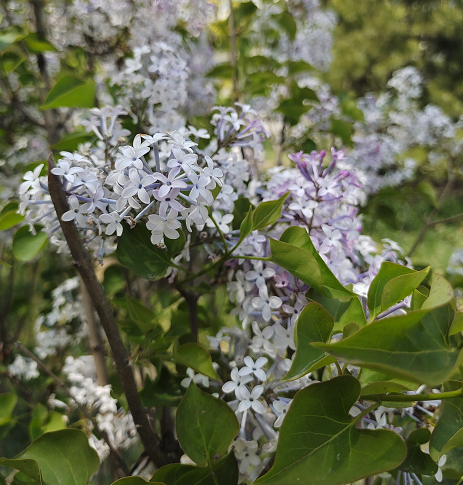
(72, 141)
(400, 287)
(9, 220)
(2, 263)
(343, 310)
(57, 458)
(313, 325)
(320, 444)
(36, 44)
(296, 67)
(71, 92)
(26, 246)
(205, 425)
(413, 346)
(198, 358)
(427, 190)
(9, 37)
(292, 110)
(267, 213)
(343, 130)
(288, 24)
(299, 237)
(165, 390)
(141, 315)
(7, 404)
(225, 470)
(375, 382)
(221, 71)
(457, 324)
(135, 481)
(246, 225)
(350, 109)
(416, 461)
(175, 246)
(136, 252)
(397, 277)
(240, 211)
(448, 432)
(298, 262)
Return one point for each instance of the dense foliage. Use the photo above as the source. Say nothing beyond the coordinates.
(189, 294)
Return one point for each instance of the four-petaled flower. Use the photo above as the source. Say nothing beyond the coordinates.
(265, 303)
(251, 399)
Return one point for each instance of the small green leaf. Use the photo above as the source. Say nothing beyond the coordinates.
(71, 92)
(387, 273)
(71, 141)
(8, 402)
(221, 71)
(428, 192)
(57, 458)
(448, 432)
(135, 481)
(246, 225)
(26, 246)
(10, 36)
(320, 444)
(287, 23)
(36, 44)
(240, 211)
(141, 315)
(416, 461)
(165, 390)
(400, 287)
(9, 220)
(313, 325)
(205, 425)
(296, 67)
(457, 324)
(136, 252)
(225, 471)
(267, 213)
(343, 130)
(2, 263)
(198, 358)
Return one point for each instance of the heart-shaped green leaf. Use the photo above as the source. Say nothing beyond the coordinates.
(71, 92)
(414, 346)
(313, 325)
(448, 432)
(320, 444)
(9, 220)
(57, 458)
(225, 471)
(198, 358)
(141, 315)
(205, 425)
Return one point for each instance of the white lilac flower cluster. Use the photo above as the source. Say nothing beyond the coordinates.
(118, 425)
(162, 179)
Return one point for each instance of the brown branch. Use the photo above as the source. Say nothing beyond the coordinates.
(113, 452)
(84, 266)
(192, 300)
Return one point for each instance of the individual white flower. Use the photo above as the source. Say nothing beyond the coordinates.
(170, 182)
(196, 378)
(221, 220)
(178, 139)
(238, 288)
(331, 240)
(215, 174)
(182, 160)
(255, 368)
(237, 383)
(282, 409)
(137, 185)
(161, 226)
(259, 274)
(284, 337)
(75, 213)
(261, 340)
(31, 179)
(131, 155)
(201, 133)
(296, 310)
(65, 170)
(265, 303)
(246, 453)
(114, 223)
(305, 206)
(250, 399)
(199, 187)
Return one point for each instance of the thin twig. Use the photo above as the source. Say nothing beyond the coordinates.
(84, 266)
(114, 453)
